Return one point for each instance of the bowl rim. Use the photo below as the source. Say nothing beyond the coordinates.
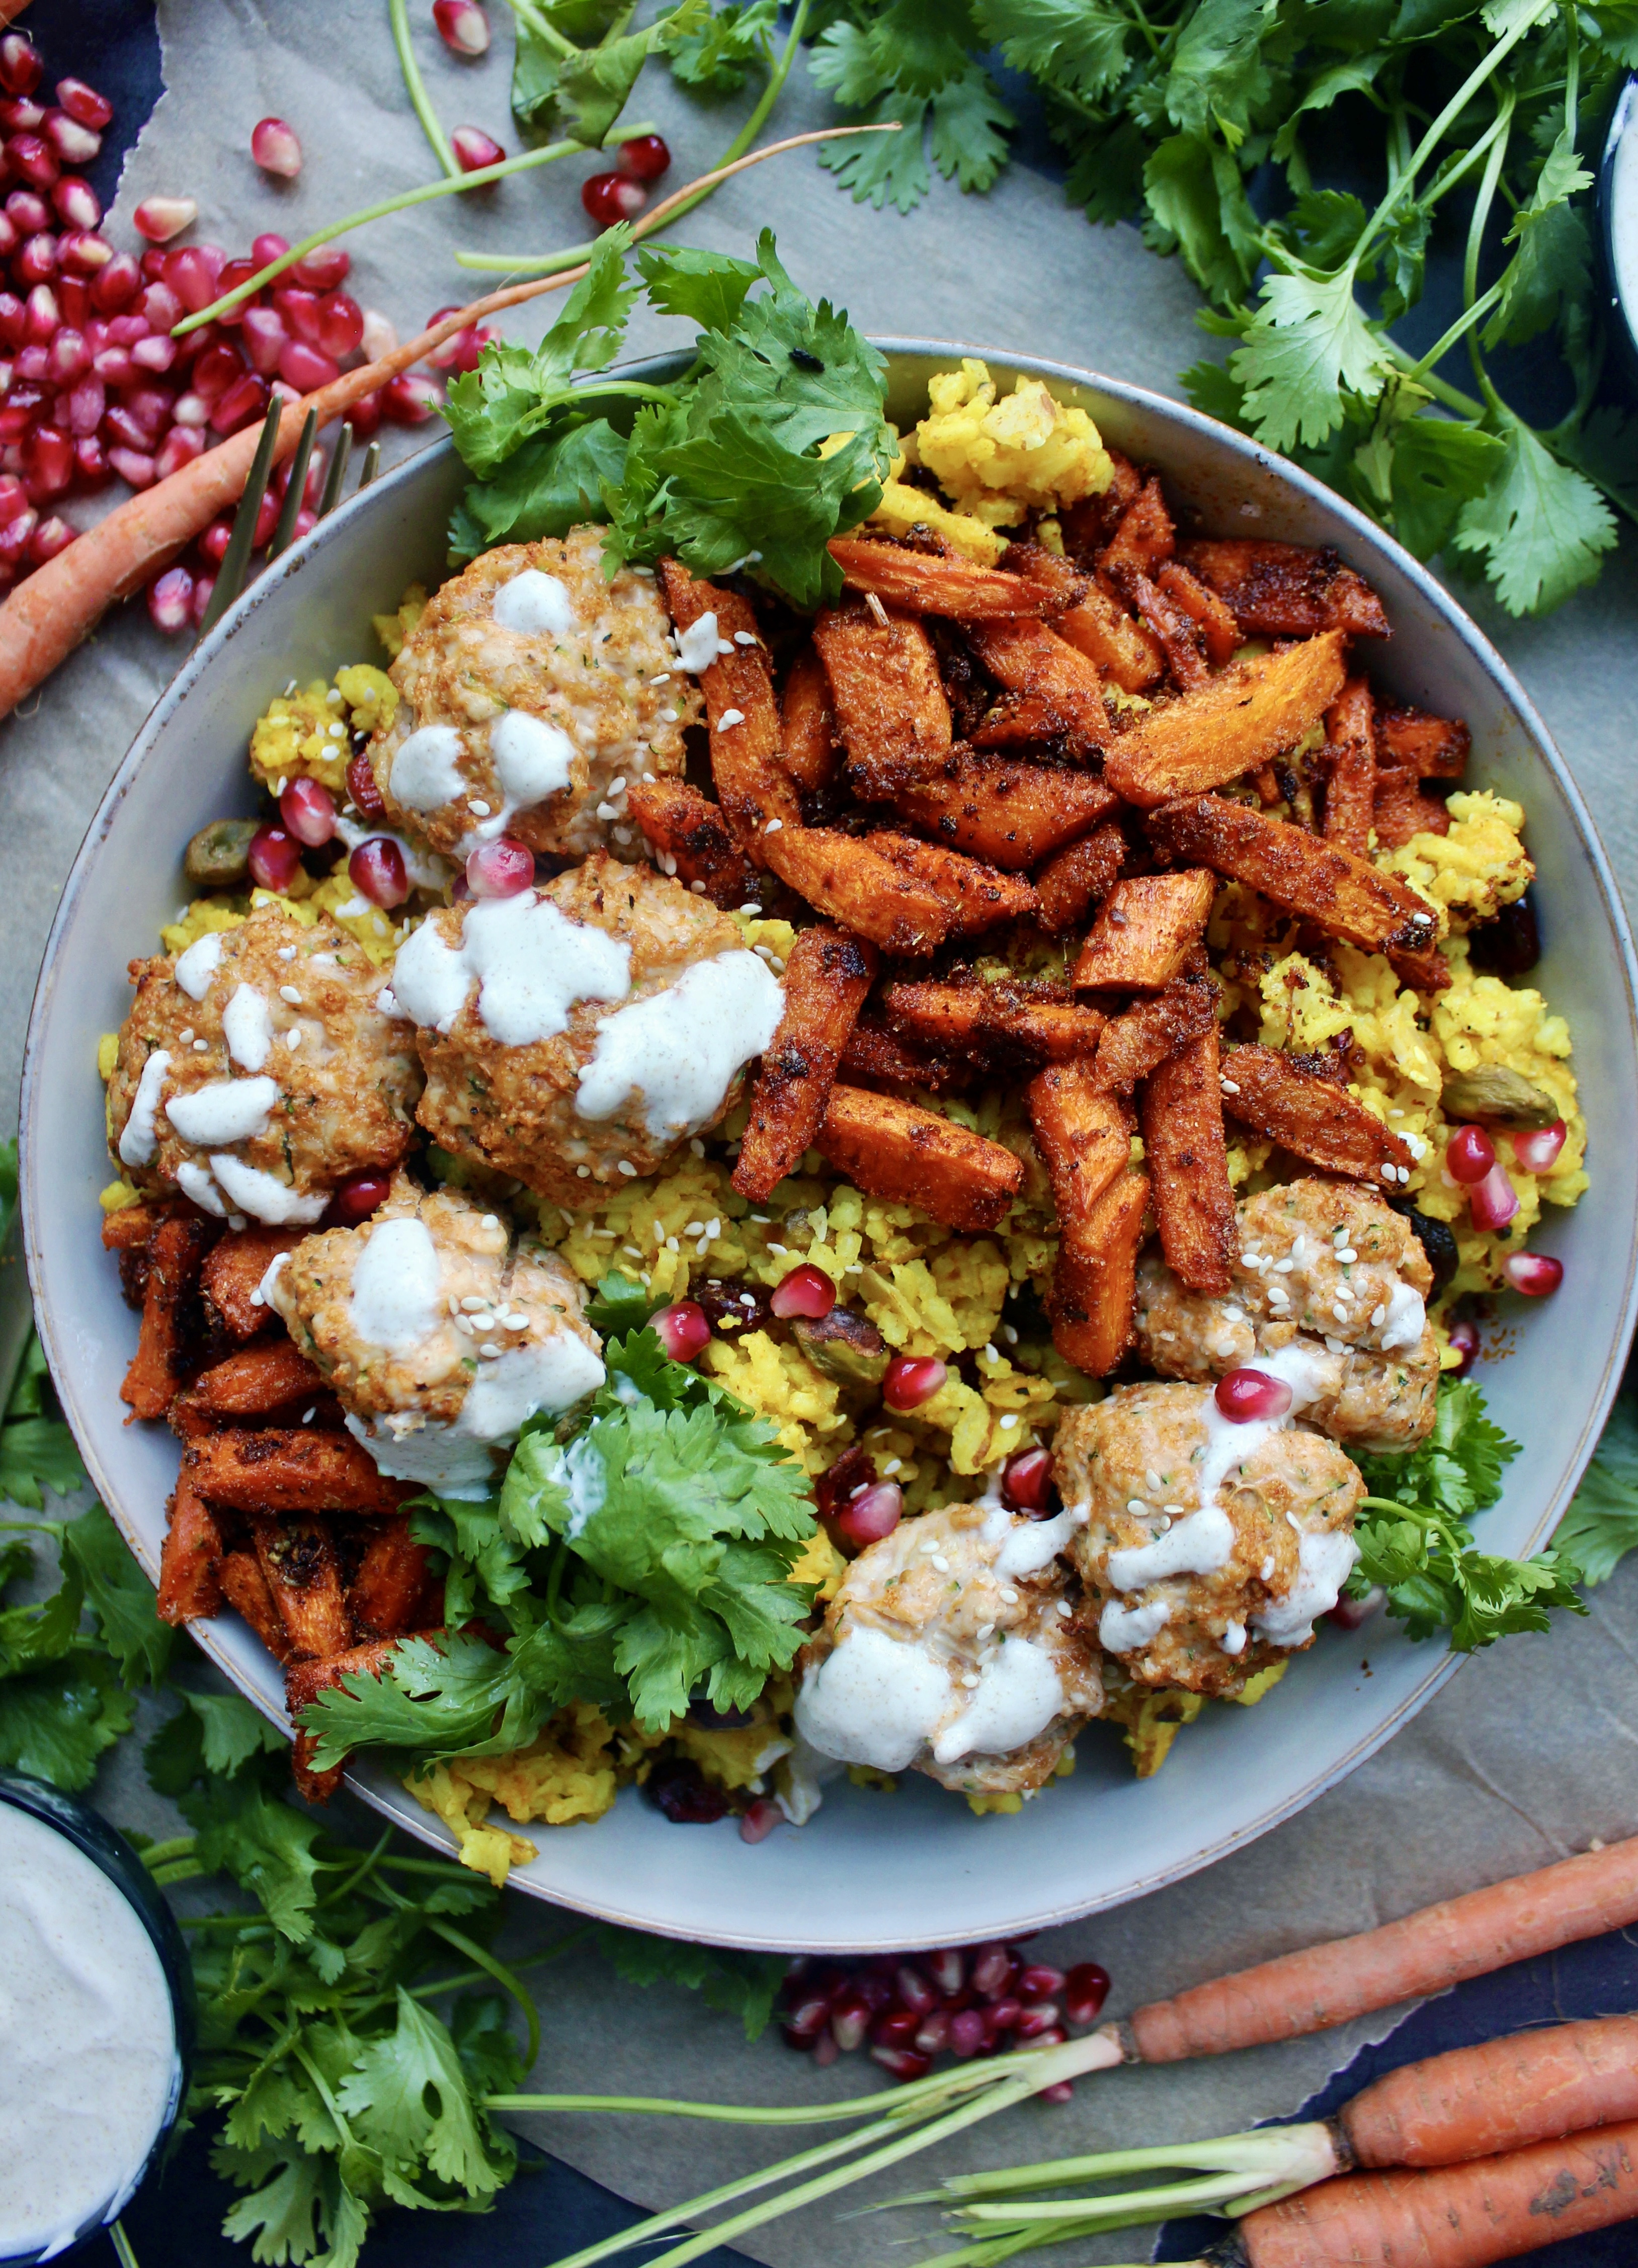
(387, 1799)
(1623, 120)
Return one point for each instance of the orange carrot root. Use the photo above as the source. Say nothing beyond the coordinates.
(1456, 2216)
(1426, 1952)
(1497, 2096)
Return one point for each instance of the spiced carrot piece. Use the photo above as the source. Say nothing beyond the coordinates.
(826, 979)
(190, 1559)
(287, 1469)
(245, 1588)
(394, 1589)
(695, 835)
(175, 1256)
(232, 1277)
(812, 753)
(257, 1381)
(894, 1150)
(1351, 782)
(305, 1681)
(1069, 884)
(1187, 1155)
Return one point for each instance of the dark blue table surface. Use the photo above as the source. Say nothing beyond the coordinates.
(550, 2210)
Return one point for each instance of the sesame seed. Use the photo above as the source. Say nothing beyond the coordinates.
(489, 1350)
(201, 1047)
(258, 1298)
(1228, 1087)
(1009, 1332)
(1338, 1308)
(729, 718)
(584, 1173)
(287, 952)
(968, 1678)
(941, 1563)
(289, 992)
(1007, 1423)
(986, 1629)
(625, 1166)
(746, 637)
(698, 889)
(185, 1036)
(1346, 1254)
(1390, 1173)
(1154, 1483)
(293, 1038)
(1009, 1597)
(773, 827)
(697, 1147)
(477, 806)
(1378, 1317)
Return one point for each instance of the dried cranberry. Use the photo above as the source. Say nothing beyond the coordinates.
(680, 1790)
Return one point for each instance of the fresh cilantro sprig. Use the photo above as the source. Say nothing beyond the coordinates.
(723, 467)
(1416, 1543)
(1601, 1526)
(1206, 119)
(644, 1559)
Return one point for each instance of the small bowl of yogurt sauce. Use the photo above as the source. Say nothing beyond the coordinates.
(96, 2021)
(1618, 205)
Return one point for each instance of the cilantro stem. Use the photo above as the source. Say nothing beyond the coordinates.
(1483, 70)
(550, 263)
(122, 2249)
(182, 1870)
(485, 1960)
(420, 101)
(1477, 222)
(366, 1865)
(542, 28)
(161, 1854)
(1458, 329)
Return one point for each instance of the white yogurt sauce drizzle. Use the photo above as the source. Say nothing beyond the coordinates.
(535, 602)
(1406, 1320)
(262, 1195)
(393, 1302)
(677, 1050)
(195, 967)
(529, 961)
(247, 1028)
(533, 761)
(696, 650)
(225, 1110)
(88, 2064)
(140, 1137)
(874, 1700)
(1202, 1542)
(426, 771)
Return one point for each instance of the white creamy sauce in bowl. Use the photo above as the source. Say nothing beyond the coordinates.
(529, 962)
(88, 2054)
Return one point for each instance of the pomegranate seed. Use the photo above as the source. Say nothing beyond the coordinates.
(1246, 1395)
(683, 1329)
(1038, 1982)
(968, 2033)
(169, 597)
(410, 401)
(191, 410)
(41, 314)
(807, 2019)
(462, 349)
(204, 587)
(911, 1379)
(115, 285)
(366, 416)
(50, 537)
(119, 426)
(1470, 1155)
(77, 203)
(12, 500)
(914, 1991)
(20, 115)
(902, 2063)
(114, 366)
(474, 149)
(265, 339)
(1353, 1614)
(161, 307)
(462, 26)
(377, 870)
(850, 2020)
(82, 254)
(894, 2027)
(609, 198)
(16, 536)
(135, 469)
(1466, 1340)
(869, 1516)
(341, 323)
(1533, 1273)
(73, 144)
(150, 407)
(805, 1291)
(1494, 1201)
(192, 273)
(33, 156)
(500, 869)
(682, 1792)
(1037, 2016)
(50, 459)
(947, 1968)
(358, 1196)
(242, 403)
(991, 1969)
(215, 540)
(1027, 1480)
(21, 68)
(68, 356)
(74, 298)
(1061, 2090)
(826, 2051)
(27, 212)
(265, 249)
(82, 103)
(760, 1820)
(153, 265)
(308, 810)
(275, 858)
(275, 148)
(160, 218)
(267, 519)
(231, 275)
(322, 270)
(36, 260)
(645, 158)
(180, 445)
(379, 336)
(13, 320)
(10, 235)
(1538, 1151)
(1054, 2036)
(300, 311)
(156, 354)
(362, 788)
(1002, 2015)
(304, 368)
(1086, 1988)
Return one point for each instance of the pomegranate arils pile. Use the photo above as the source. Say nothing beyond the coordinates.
(907, 2008)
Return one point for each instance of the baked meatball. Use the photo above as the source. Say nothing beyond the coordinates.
(951, 1645)
(256, 1071)
(533, 692)
(439, 1336)
(1327, 1266)
(574, 1035)
(1210, 1546)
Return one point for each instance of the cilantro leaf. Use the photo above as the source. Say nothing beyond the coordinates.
(717, 56)
(121, 1598)
(1080, 44)
(1539, 527)
(619, 1306)
(57, 1721)
(708, 288)
(544, 487)
(211, 1734)
(244, 1832)
(1307, 342)
(575, 64)
(1438, 465)
(743, 1985)
(1601, 1526)
(882, 169)
(1198, 206)
(969, 124)
(300, 2204)
(408, 2098)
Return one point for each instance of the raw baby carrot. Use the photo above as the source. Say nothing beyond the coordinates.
(47, 616)
(1497, 2096)
(1426, 1952)
(1456, 2216)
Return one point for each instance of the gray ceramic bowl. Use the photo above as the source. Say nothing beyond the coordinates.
(919, 1869)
